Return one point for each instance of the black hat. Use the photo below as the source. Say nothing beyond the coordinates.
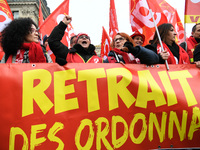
(45, 38)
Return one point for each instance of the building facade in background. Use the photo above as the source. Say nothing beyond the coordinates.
(28, 8)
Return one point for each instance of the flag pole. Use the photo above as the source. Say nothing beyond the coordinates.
(162, 49)
(185, 29)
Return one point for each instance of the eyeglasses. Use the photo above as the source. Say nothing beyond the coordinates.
(120, 39)
(84, 36)
(34, 30)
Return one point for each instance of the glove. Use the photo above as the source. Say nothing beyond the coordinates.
(61, 61)
(131, 49)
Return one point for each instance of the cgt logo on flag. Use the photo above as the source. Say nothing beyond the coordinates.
(4, 20)
(195, 1)
(5, 14)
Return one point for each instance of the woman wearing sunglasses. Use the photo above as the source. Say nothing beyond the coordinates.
(82, 52)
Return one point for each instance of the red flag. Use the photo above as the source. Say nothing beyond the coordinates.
(178, 28)
(113, 25)
(192, 11)
(142, 21)
(5, 18)
(54, 19)
(105, 43)
(41, 20)
(173, 18)
(5, 14)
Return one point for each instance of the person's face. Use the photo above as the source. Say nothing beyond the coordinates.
(32, 36)
(119, 41)
(84, 41)
(46, 43)
(171, 37)
(138, 40)
(73, 42)
(196, 34)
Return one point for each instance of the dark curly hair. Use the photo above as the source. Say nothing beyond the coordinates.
(14, 34)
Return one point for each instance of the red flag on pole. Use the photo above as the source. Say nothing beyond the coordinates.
(5, 18)
(142, 21)
(54, 19)
(173, 18)
(105, 43)
(41, 20)
(192, 11)
(113, 25)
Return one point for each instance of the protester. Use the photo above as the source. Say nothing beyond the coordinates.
(82, 52)
(20, 42)
(192, 41)
(138, 38)
(45, 40)
(124, 51)
(197, 56)
(73, 41)
(173, 53)
(44, 48)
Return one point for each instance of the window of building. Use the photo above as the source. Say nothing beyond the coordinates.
(15, 14)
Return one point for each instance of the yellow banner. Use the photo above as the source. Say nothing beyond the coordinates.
(192, 18)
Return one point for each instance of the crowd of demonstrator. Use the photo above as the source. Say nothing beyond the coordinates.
(21, 43)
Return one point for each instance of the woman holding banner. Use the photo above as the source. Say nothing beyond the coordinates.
(82, 52)
(173, 53)
(124, 50)
(20, 43)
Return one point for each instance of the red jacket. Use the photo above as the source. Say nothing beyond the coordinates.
(191, 44)
(76, 58)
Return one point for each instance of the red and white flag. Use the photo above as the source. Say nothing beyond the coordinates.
(192, 11)
(173, 18)
(54, 19)
(142, 21)
(5, 18)
(41, 20)
(113, 25)
(105, 43)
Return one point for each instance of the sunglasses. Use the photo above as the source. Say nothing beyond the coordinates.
(34, 30)
(120, 39)
(84, 36)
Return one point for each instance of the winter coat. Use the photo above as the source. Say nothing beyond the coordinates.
(138, 55)
(189, 45)
(77, 54)
(197, 53)
(26, 57)
(175, 51)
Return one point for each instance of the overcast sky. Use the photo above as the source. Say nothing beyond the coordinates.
(89, 16)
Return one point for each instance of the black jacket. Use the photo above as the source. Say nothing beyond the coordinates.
(196, 53)
(61, 51)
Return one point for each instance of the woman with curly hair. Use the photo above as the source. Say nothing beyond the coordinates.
(20, 42)
(124, 50)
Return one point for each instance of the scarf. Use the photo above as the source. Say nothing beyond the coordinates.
(35, 54)
(183, 56)
(127, 57)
